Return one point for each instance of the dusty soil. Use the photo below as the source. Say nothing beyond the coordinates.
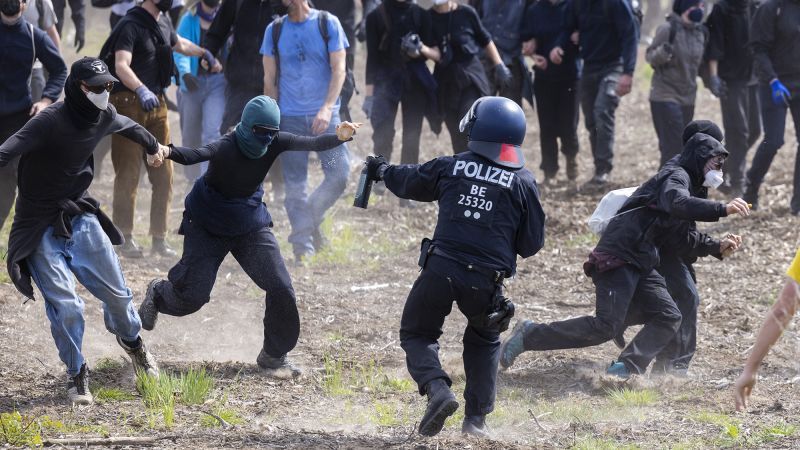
(357, 393)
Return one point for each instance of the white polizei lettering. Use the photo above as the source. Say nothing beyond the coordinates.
(480, 172)
(495, 172)
(471, 169)
(459, 166)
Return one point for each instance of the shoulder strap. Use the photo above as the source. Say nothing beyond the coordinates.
(387, 22)
(673, 30)
(322, 20)
(277, 26)
(40, 10)
(33, 44)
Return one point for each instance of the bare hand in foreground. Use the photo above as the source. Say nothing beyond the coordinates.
(729, 244)
(157, 159)
(738, 206)
(346, 130)
(743, 388)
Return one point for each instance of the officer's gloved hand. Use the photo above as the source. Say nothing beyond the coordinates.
(367, 106)
(147, 99)
(411, 45)
(717, 86)
(502, 75)
(191, 82)
(780, 94)
(374, 164)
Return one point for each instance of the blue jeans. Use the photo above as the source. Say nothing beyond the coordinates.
(306, 212)
(90, 256)
(201, 117)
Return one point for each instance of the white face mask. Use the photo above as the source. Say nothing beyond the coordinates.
(439, 2)
(714, 179)
(99, 100)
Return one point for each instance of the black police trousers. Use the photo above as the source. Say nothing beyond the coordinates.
(616, 290)
(9, 125)
(189, 283)
(557, 109)
(741, 119)
(387, 97)
(441, 282)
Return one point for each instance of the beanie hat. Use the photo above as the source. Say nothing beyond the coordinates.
(681, 6)
(702, 126)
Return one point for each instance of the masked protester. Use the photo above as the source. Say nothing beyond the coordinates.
(489, 212)
(732, 80)
(775, 42)
(59, 231)
(22, 43)
(225, 214)
(139, 53)
(623, 264)
(201, 97)
(675, 55)
(460, 76)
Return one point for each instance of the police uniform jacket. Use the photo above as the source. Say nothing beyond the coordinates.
(487, 214)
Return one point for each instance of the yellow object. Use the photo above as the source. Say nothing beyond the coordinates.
(794, 269)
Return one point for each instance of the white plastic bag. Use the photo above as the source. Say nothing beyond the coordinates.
(608, 207)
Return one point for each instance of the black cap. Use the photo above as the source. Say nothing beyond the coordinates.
(91, 71)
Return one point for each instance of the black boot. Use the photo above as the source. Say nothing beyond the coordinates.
(475, 426)
(148, 311)
(441, 405)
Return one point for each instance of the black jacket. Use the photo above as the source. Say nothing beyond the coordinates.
(775, 42)
(246, 20)
(607, 33)
(729, 32)
(666, 202)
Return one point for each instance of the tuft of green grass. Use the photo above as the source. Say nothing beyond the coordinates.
(385, 414)
(591, 443)
(159, 396)
(773, 433)
(582, 240)
(343, 246)
(730, 428)
(333, 382)
(631, 398)
(195, 386)
(104, 395)
(19, 430)
(60, 427)
(229, 415)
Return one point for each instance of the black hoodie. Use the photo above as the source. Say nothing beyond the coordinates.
(666, 201)
(729, 32)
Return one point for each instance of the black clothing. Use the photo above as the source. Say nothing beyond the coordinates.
(81, 110)
(150, 43)
(775, 42)
(246, 20)
(669, 120)
(741, 118)
(383, 40)
(387, 96)
(78, 8)
(544, 22)
(608, 33)
(345, 11)
(232, 174)
(504, 219)
(460, 76)
(9, 124)
(557, 110)
(189, 282)
(617, 290)
(672, 195)
(599, 102)
(487, 216)
(55, 170)
(729, 33)
(504, 21)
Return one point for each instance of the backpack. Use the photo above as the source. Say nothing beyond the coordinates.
(609, 207)
(277, 26)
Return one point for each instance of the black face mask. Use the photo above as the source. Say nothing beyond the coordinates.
(164, 5)
(10, 7)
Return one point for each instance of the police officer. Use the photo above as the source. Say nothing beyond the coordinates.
(484, 192)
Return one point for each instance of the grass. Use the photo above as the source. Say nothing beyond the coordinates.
(347, 247)
(229, 415)
(626, 397)
(19, 430)
(342, 378)
(107, 365)
(195, 386)
(161, 393)
(601, 444)
(583, 240)
(773, 433)
(730, 428)
(106, 395)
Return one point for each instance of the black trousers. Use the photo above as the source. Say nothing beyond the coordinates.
(189, 283)
(669, 119)
(386, 99)
(741, 120)
(514, 90)
(599, 102)
(454, 112)
(431, 299)
(557, 108)
(9, 125)
(616, 291)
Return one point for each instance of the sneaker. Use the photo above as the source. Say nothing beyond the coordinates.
(514, 345)
(143, 361)
(280, 367)
(618, 369)
(475, 426)
(441, 405)
(148, 312)
(78, 388)
(161, 248)
(572, 168)
(130, 249)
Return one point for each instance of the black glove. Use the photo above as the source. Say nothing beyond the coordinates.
(80, 41)
(191, 82)
(717, 86)
(668, 49)
(502, 75)
(374, 164)
(411, 45)
(367, 106)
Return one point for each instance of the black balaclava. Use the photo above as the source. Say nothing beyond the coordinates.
(702, 126)
(81, 110)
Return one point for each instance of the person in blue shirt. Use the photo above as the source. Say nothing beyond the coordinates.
(555, 86)
(201, 98)
(304, 68)
(22, 44)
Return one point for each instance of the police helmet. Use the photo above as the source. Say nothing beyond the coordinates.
(496, 128)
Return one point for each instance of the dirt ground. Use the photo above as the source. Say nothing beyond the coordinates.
(357, 393)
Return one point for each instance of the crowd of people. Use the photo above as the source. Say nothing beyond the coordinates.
(261, 84)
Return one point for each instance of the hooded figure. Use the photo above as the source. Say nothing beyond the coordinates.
(262, 111)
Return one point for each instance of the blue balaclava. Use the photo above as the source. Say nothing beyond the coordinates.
(263, 111)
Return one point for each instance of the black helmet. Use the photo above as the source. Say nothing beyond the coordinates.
(496, 128)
